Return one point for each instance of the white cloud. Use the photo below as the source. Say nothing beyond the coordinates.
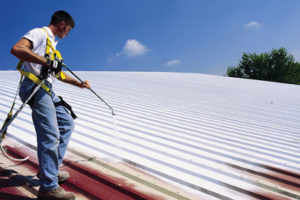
(252, 25)
(133, 48)
(172, 62)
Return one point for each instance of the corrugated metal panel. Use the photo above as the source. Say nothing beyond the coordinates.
(89, 179)
(220, 137)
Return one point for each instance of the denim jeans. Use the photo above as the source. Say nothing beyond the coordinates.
(53, 126)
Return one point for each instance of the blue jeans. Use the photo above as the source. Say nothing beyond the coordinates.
(53, 126)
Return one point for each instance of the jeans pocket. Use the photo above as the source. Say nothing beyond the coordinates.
(26, 89)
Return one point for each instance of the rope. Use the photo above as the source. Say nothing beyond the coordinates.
(12, 158)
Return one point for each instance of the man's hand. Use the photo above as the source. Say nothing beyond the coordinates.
(54, 65)
(85, 84)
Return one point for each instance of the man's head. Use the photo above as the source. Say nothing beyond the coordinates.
(63, 22)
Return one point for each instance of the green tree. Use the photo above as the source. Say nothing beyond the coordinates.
(277, 66)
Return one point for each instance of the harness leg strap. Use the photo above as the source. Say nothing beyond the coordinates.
(66, 105)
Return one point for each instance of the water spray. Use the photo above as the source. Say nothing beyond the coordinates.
(116, 130)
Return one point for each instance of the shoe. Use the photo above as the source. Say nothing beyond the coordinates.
(62, 176)
(56, 194)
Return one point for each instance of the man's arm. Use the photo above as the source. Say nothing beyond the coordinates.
(23, 50)
(74, 82)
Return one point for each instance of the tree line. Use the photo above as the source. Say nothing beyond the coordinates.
(277, 66)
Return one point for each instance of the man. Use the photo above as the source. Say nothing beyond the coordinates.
(53, 124)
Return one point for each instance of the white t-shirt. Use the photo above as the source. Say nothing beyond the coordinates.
(38, 37)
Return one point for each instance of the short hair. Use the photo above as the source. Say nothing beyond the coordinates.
(60, 16)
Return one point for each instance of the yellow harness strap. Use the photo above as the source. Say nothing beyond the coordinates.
(52, 53)
(32, 77)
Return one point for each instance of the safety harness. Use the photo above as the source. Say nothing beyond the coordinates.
(51, 53)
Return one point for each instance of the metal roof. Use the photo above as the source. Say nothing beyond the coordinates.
(213, 137)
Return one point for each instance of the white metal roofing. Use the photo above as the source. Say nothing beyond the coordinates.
(222, 137)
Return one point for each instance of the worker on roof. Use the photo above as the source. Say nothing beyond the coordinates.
(53, 123)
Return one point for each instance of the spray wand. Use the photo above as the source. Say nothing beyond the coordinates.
(112, 110)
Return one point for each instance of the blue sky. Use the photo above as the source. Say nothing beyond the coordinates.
(199, 36)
